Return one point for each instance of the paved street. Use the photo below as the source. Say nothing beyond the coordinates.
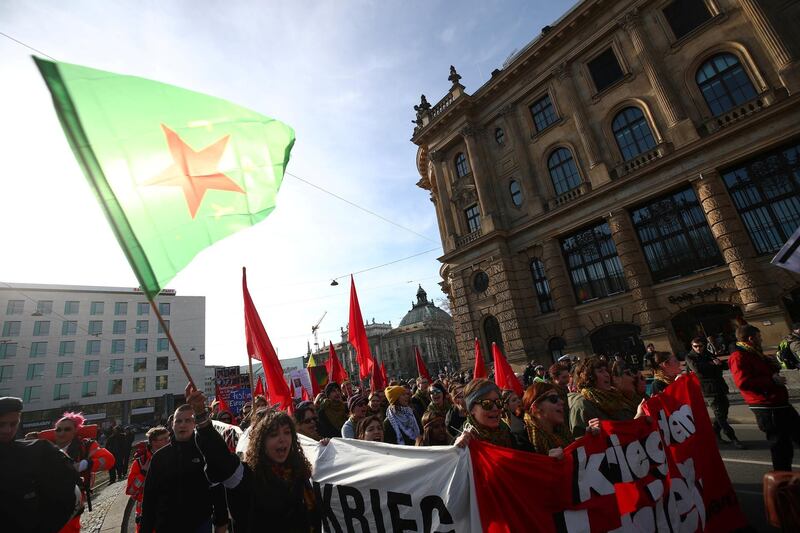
(103, 499)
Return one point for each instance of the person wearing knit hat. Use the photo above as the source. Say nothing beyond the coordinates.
(357, 406)
(484, 416)
(401, 425)
(332, 412)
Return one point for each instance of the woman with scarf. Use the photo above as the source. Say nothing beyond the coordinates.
(513, 415)
(666, 368)
(400, 426)
(271, 485)
(596, 397)
(626, 380)
(457, 414)
(434, 432)
(547, 428)
(484, 418)
(332, 412)
(440, 403)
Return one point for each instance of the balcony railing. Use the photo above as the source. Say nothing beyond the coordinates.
(735, 115)
(468, 238)
(570, 195)
(641, 160)
(443, 104)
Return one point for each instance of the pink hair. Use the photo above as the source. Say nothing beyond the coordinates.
(76, 418)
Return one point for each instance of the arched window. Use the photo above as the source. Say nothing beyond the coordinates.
(462, 168)
(516, 193)
(541, 285)
(632, 133)
(492, 334)
(563, 171)
(556, 347)
(724, 83)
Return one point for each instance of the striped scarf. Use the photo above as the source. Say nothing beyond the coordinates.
(610, 401)
(541, 439)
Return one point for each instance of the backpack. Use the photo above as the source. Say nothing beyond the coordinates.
(786, 356)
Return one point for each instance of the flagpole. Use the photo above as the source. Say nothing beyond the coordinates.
(252, 389)
(165, 328)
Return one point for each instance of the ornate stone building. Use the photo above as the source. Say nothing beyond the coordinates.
(623, 179)
(424, 326)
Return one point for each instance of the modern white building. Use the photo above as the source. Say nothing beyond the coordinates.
(97, 349)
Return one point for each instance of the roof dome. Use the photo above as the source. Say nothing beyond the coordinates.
(424, 311)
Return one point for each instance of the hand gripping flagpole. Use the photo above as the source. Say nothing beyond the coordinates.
(165, 328)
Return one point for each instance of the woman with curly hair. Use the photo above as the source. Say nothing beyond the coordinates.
(484, 416)
(271, 486)
(596, 397)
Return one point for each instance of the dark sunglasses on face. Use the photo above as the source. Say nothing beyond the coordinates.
(488, 405)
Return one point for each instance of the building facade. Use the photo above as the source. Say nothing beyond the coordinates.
(425, 327)
(623, 179)
(100, 350)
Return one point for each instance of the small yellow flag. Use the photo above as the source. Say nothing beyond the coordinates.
(311, 361)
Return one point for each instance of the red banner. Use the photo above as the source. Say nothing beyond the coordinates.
(661, 473)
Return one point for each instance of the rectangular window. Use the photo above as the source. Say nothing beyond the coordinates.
(605, 69)
(473, 218)
(163, 309)
(141, 346)
(163, 345)
(35, 371)
(69, 327)
(543, 113)
(593, 264)
(140, 364)
(11, 328)
(675, 236)
(92, 347)
(162, 382)
(118, 346)
(766, 192)
(64, 370)
(160, 329)
(88, 389)
(71, 307)
(91, 368)
(32, 393)
(119, 327)
(685, 15)
(66, 348)
(115, 386)
(8, 349)
(139, 384)
(38, 349)
(120, 308)
(96, 308)
(116, 366)
(142, 308)
(95, 327)
(142, 327)
(542, 286)
(6, 373)
(61, 391)
(15, 307)
(44, 307)
(41, 328)
(162, 363)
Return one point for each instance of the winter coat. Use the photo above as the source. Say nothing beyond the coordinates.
(711, 381)
(753, 374)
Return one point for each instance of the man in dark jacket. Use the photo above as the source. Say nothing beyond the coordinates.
(177, 495)
(709, 369)
(764, 390)
(38, 483)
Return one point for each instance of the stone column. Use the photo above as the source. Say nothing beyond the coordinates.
(528, 178)
(444, 202)
(788, 68)
(562, 293)
(480, 175)
(597, 168)
(674, 113)
(649, 314)
(733, 240)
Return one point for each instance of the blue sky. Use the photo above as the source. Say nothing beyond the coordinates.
(344, 74)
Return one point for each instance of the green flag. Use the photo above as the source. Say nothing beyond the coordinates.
(174, 170)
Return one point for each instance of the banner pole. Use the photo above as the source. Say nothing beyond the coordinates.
(175, 349)
(252, 389)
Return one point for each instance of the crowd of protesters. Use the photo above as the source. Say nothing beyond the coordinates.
(188, 476)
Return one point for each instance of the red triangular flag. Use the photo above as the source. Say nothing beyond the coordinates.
(376, 380)
(260, 347)
(304, 396)
(383, 373)
(421, 369)
(223, 405)
(336, 371)
(314, 385)
(480, 364)
(504, 374)
(259, 388)
(357, 334)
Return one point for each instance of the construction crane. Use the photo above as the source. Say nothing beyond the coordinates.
(315, 329)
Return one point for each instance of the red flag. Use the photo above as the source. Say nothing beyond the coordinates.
(336, 371)
(260, 347)
(377, 382)
(383, 373)
(504, 374)
(357, 334)
(304, 396)
(480, 365)
(223, 405)
(314, 385)
(421, 370)
(259, 388)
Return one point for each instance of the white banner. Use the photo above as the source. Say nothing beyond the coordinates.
(376, 487)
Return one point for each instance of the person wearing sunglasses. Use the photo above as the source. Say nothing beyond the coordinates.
(457, 414)
(357, 406)
(625, 380)
(666, 369)
(484, 416)
(440, 403)
(546, 425)
(305, 415)
(512, 412)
